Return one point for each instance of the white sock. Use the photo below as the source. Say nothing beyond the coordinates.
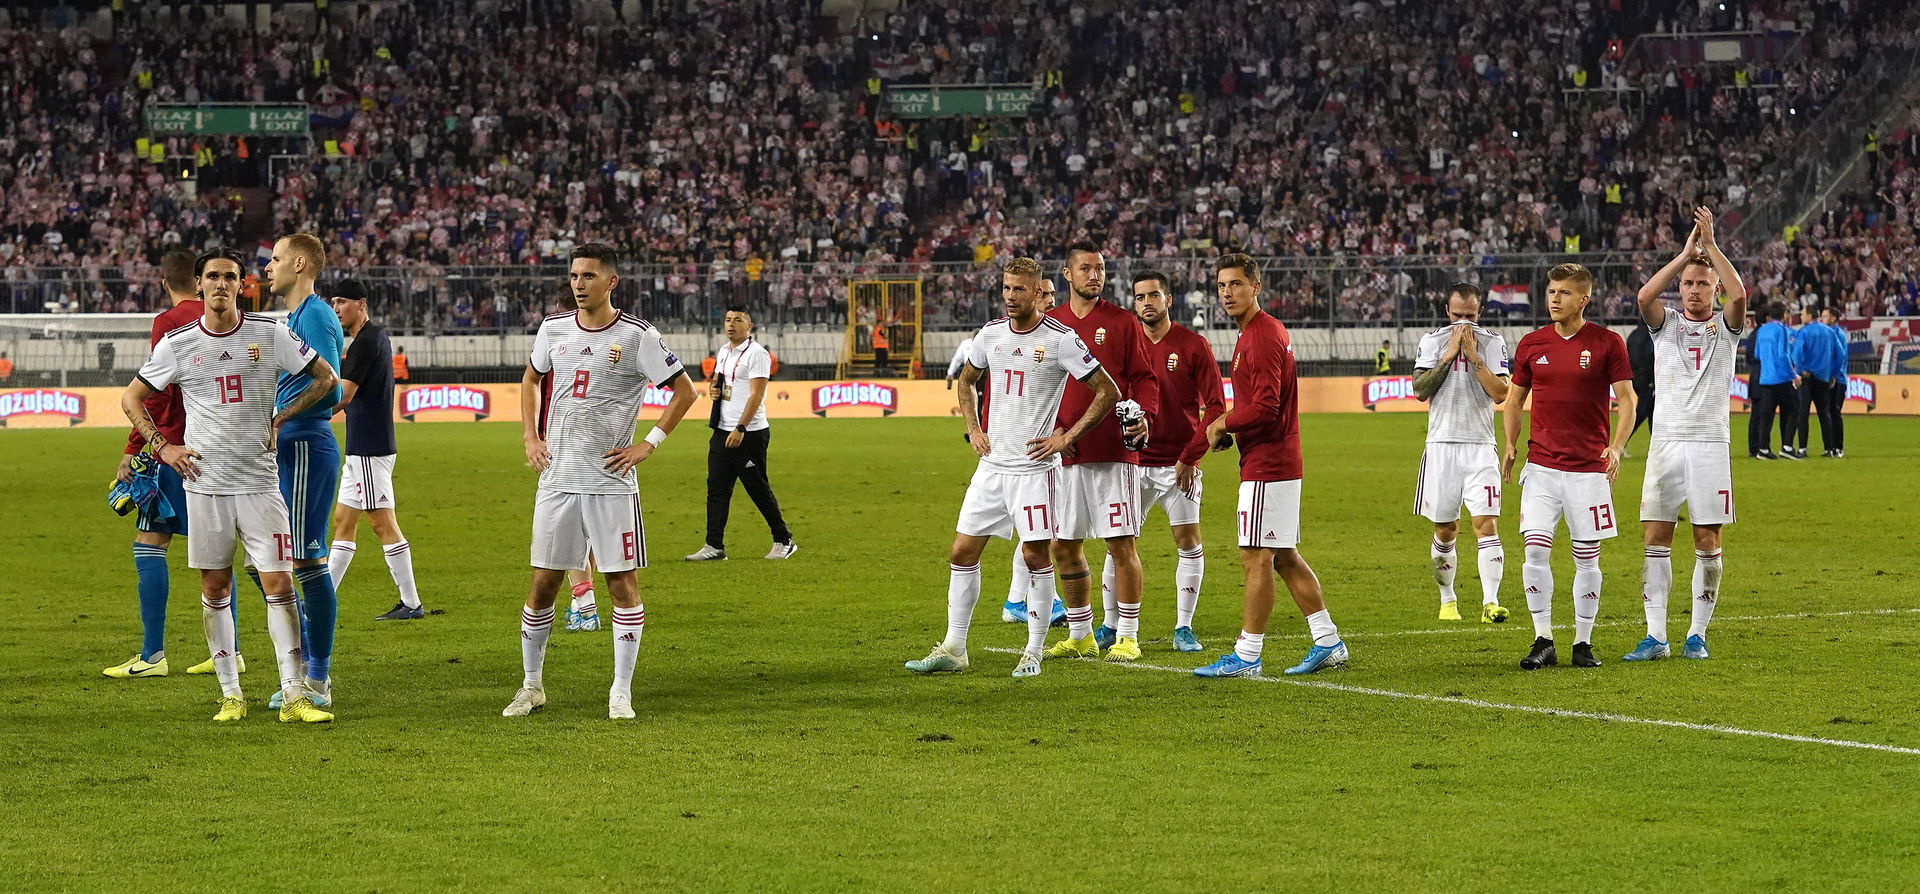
(1079, 622)
(1248, 645)
(1039, 605)
(1493, 567)
(338, 559)
(1536, 574)
(583, 598)
(963, 592)
(535, 627)
(1586, 589)
(1129, 625)
(629, 624)
(283, 626)
(1187, 575)
(1320, 624)
(1656, 577)
(1443, 567)
(400, 565)
(217, 620)
(1018, 584)
(1706, 589)
(1109, 601)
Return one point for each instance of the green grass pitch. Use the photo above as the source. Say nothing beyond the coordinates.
(781, 746)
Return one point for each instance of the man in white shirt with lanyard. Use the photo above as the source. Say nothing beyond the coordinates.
(738, 450)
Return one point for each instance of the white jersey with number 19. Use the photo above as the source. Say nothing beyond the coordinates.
(596, 380)
(227, 381)
(1026, 372)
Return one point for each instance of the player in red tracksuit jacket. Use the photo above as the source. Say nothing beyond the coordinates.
(1266, 422)
(1190, 399)
(1099, 490)
(151, 540)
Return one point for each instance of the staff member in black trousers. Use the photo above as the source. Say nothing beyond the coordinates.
(1640, 357)
(738, 450)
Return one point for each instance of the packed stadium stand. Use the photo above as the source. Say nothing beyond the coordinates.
(1375, 151)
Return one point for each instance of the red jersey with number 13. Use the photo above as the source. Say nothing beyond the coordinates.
(1569, 378)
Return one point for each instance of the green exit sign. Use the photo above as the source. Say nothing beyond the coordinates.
(240, 119)
(978, 100)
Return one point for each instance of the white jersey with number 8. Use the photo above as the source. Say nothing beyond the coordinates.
(596, 381)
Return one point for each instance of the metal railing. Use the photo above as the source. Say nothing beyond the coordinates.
(481, 317)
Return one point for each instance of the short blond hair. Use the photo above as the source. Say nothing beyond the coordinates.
(1022, 267)
(308, 246)
(1581, 277)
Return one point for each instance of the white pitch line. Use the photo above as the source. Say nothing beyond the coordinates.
(1528, 709)
(1718, 619)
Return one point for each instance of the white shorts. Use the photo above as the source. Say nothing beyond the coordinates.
(366, 482)
(1157, 487)
(1099, 501)
(1584, 499)
(1270, 514)
(1698, 474)
(259, 521)
(566, 526)
(1452, 474)
(998, 504)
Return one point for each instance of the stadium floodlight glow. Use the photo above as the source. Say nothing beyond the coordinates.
(1516, 134)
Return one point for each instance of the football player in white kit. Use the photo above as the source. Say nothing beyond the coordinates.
(1025, 359)
(585, 380)
(227, 365)
(1015, 609)
(1461, 371)
(1689, 464)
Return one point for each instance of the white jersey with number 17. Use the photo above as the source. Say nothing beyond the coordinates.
(1026, 373)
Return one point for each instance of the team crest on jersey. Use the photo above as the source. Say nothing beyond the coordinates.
(1100, 336)
(1173, 362)
(253, 353)
(1711, 328)
(1586, 359)
(613, 354)
(1039, 355)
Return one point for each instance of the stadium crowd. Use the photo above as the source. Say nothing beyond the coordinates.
(732, 144)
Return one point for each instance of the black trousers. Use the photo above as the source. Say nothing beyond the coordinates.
(1766, 400)
(1642, 407)
(1822, 399)
(746, 464)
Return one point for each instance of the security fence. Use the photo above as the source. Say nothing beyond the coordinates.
(478, 318)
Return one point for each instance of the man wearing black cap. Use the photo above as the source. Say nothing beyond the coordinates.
(366, 481)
